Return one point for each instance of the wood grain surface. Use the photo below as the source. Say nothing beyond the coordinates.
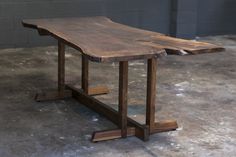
(103, 40)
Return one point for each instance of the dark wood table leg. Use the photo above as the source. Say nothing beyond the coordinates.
(61, 93)
(61, 68)
(98, 90)
(85, 74)
(151, 92)
(155, 127)
(123, 91)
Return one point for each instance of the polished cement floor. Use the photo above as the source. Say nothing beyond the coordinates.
(198, 91)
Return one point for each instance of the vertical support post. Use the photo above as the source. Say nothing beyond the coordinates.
(61, 68)
(151, 92)
(85, 73)
(123, 92)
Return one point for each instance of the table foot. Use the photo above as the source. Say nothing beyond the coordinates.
(52, 95)
(98, 90)
(55, 95)
(111, 134)
(92, 91)
(168, 125)
(141, 131)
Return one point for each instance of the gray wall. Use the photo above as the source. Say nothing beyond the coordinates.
(191, 18)
(148, 14)
(181, 18)
(216, 17)
(184, 18)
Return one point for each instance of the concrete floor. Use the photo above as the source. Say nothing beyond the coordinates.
(198, 91)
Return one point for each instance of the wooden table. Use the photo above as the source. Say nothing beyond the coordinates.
(101, 40)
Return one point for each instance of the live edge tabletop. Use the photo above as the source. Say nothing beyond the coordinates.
(102, 40)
